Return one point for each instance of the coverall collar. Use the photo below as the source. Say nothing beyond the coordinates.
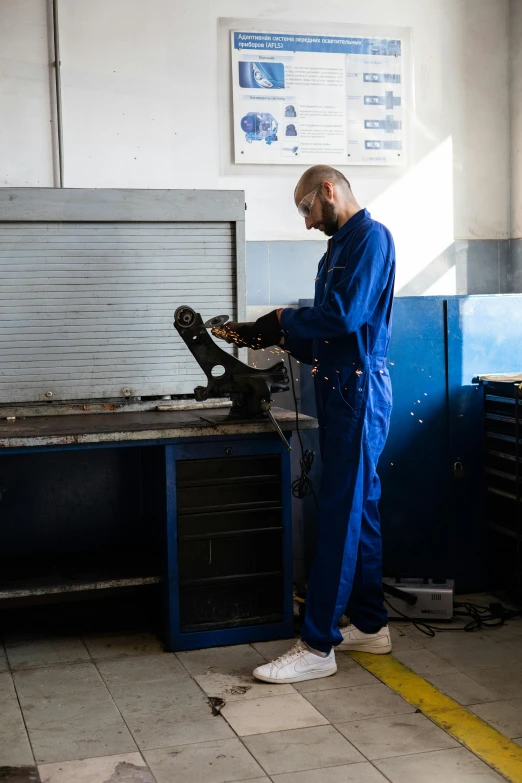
(350, 224)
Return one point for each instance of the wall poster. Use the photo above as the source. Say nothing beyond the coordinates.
(317, 99)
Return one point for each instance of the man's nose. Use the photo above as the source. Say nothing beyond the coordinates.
(309, 222)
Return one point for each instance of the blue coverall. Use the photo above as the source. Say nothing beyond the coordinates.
(345, 337)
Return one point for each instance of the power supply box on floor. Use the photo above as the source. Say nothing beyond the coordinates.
(434, 600)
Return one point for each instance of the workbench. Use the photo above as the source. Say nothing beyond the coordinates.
(101, 487)
(190, 499)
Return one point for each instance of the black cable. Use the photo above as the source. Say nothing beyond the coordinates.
(303, 485)
(492, 616)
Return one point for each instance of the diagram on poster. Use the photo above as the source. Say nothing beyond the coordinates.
(310, 99)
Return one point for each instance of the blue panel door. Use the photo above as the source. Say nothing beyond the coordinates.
(432, 466)
(413, 468)
(484, 336)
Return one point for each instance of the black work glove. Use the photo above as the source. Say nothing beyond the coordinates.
(263, 333)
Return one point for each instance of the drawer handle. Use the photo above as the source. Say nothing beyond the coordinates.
(458, 469)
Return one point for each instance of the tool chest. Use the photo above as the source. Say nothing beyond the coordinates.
(503, 477)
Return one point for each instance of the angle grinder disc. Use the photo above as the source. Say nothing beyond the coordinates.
(217, 320)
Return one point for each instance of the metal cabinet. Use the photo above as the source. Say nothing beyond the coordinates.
(431, 470)
(229, 543)
(503, 483)
(433, 505)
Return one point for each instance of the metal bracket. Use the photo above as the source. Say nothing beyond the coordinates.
(249, 389)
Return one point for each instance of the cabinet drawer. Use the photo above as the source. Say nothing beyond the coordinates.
(231, 605)
(249, 553)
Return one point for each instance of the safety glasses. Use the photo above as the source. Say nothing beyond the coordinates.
(306, 204)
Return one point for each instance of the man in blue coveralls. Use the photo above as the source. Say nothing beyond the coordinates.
(345, 337)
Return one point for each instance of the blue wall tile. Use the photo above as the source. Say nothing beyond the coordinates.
(477, 265)
(258, 284)
(483, 271)
(457, 256)
(293, 268)
(281, 273)
(504, 266)
(516, 265)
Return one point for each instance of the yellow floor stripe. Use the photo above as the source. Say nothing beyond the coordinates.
(486, 742)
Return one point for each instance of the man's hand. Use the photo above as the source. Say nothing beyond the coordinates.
(233, 332)
(262, 333)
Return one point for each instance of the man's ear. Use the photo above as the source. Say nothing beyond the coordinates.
(328, 190)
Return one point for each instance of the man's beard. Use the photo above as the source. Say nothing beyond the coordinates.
(329, 219)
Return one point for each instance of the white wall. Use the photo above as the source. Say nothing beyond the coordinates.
(25, 104)
(516, 116)
(143, 108)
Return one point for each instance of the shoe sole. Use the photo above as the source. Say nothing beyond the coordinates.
(384, 650)
(286, 680)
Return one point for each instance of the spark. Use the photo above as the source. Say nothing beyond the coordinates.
(418, 400)
(420, 421)
(326, 379)
(412, 414)
(392, 363)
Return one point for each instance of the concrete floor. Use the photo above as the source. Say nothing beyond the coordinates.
(117, 709)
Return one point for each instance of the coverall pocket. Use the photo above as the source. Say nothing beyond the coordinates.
(348, 385)
(378, 426)
(342, 443)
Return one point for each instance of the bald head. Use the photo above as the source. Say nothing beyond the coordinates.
(324, 198)
(316, 176)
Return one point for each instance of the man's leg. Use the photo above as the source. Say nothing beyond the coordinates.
(368, 630)
(347, 475)
(366, 608)
(341, 502)
(353, 441)
(333, 569)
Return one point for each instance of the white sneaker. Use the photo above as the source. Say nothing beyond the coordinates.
(298, 664)
(378, 643)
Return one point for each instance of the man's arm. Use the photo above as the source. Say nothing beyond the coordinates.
(353, 299)
(299, 349)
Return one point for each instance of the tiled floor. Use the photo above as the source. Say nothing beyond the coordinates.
(116, 709)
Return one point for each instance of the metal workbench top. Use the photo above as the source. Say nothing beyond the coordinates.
(38, 431)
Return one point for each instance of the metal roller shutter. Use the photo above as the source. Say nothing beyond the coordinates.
(86, 308)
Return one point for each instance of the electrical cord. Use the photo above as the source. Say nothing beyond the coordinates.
(303, 484)
(492, 616)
